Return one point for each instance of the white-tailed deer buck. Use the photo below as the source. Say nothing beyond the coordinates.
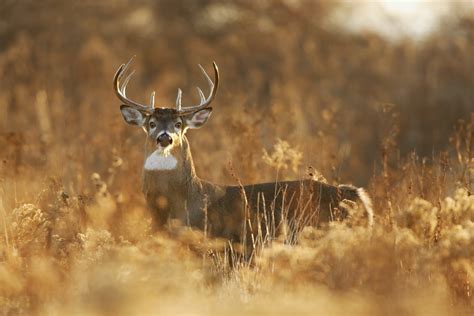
(174, 191)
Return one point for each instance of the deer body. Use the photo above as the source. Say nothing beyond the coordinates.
(174, 191)
(179, 193)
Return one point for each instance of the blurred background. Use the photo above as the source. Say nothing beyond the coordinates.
(349, 85)
(379, 94)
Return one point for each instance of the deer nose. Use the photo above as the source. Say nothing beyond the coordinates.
(164, 140)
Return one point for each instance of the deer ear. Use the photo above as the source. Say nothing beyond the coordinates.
(197, 119)
(132, 116)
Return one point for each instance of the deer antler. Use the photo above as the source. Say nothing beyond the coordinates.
(120, 89)
(204, 101)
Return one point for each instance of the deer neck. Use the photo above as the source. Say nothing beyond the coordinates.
(175, 165)
(169, 181)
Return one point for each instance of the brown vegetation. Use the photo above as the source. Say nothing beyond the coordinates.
(298, 97)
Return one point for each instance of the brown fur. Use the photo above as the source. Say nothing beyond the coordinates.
(181, 194)
(176, 192)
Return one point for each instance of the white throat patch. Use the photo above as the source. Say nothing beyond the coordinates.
(160, 161)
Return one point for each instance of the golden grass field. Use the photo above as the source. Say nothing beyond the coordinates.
(298, 96)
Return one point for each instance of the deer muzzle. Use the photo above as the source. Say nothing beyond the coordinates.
(164, 140)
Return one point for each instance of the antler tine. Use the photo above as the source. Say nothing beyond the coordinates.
(152, 100)
(209, 81)
(125, 83)
(178, 100)
(201, 94)
(120, 88)
(125, 67)
(212, 94)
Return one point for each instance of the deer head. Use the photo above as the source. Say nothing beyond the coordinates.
(165, 127)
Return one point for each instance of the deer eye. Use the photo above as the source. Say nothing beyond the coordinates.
(152, 125)
(177, 125)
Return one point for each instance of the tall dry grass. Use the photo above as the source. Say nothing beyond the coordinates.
(298, 98)
(70, 255)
